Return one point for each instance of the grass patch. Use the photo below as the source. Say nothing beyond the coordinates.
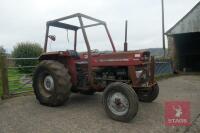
(1, 91)
(14, 79)
(165, 76)
(14, 83)
(190, 73)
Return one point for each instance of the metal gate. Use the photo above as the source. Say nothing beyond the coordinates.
(163, 67)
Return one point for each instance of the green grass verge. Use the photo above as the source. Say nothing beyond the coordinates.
(13, 78)
(191, 73)
(1, 91)
(164, 76)
(14, 81)
(15, 86)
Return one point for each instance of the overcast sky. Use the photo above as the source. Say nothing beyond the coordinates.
(24, 20)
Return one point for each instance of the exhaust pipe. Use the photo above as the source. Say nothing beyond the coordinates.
(125, 43)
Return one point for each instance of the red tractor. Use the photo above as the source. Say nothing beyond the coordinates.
(123, 77)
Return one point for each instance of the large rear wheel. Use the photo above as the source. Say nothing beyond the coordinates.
(120, 102)
(51, 83)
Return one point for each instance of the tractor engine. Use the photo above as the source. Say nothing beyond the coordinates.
(105, 76)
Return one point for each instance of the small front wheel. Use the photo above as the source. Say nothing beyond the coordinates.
(150, 95)
(120, 102)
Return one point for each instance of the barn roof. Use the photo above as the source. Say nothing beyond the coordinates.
(190, 23)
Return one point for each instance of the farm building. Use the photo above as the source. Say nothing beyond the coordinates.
(184, 41)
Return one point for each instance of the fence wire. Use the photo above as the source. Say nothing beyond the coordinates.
(19, 81)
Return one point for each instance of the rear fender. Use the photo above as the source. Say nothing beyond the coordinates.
(54, 56)
(66, 60)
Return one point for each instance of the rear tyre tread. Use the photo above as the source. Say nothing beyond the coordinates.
(62, 83)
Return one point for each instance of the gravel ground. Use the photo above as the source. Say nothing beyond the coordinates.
(85, 114)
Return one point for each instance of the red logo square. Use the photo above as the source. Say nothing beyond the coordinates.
(177, 113)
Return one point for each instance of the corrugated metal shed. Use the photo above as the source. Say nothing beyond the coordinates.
(190, 23)
(184, 40)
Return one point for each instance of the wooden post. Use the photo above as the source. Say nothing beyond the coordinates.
(152, 70)
(4, 76)
(163, 28)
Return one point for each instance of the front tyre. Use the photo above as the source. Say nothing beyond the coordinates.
(120, 102)
(150, 95)
(51, 83)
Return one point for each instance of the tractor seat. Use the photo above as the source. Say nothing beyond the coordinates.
(73, 54)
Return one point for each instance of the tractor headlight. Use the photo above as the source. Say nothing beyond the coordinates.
(138, 73)
(137, 55)
(146, 58)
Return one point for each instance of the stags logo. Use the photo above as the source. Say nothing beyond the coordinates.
(178, 110)
(177, 113)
